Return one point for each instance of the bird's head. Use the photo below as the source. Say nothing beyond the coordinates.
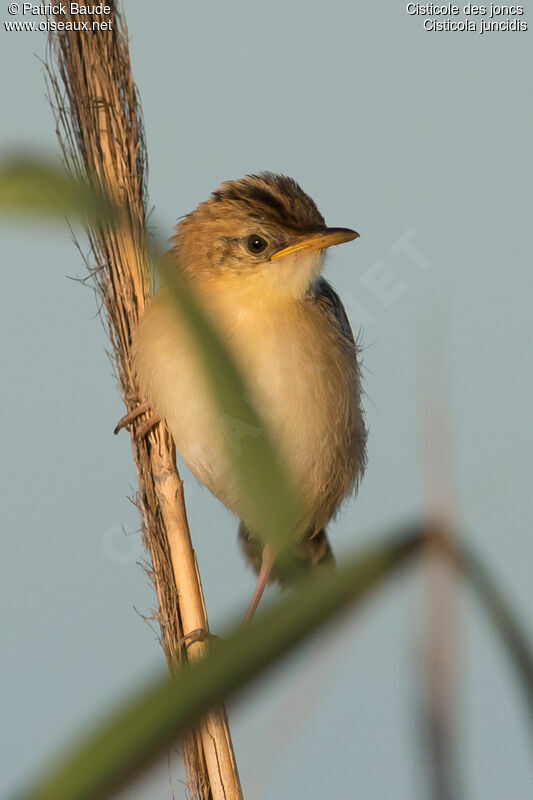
(261, 233)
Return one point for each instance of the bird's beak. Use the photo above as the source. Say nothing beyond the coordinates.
(317, 241)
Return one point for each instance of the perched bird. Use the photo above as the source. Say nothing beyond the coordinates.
(253, 254)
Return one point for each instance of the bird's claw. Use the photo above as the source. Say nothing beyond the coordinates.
(197, 635)
(145, 427)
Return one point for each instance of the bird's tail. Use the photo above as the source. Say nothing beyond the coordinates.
(312, 552)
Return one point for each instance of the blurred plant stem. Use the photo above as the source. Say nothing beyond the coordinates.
(126, 742)
(135, 734)
(440, 687)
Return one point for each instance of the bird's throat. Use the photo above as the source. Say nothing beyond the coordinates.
(288, 279)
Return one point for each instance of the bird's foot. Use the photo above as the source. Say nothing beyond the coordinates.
(145, 427)
(197, 635)
(142, 408)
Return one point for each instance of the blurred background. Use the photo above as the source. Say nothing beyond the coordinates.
(420, 141)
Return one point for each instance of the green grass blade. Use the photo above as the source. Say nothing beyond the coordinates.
(167, 708)
(35, 187)
(504, 621)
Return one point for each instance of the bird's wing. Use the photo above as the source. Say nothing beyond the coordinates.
(331, 304)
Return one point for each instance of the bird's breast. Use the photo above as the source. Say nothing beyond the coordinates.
(299, 378)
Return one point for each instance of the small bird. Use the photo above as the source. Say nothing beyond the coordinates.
(253, 255)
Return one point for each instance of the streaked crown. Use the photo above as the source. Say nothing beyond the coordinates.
(270, 199)
(244, 222)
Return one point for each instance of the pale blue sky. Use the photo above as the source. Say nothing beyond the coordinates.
(404, 135)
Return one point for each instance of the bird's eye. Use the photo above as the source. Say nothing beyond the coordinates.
(256, 244)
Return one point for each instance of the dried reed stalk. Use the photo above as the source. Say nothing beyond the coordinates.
(100, 129)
